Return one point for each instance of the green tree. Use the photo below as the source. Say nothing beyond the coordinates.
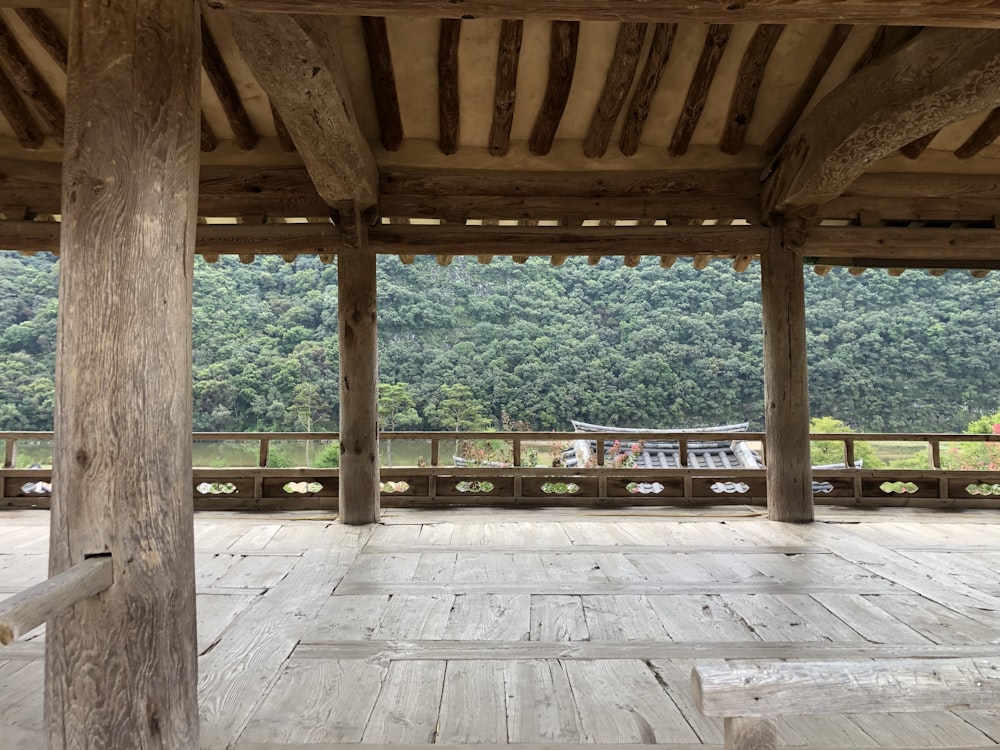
(307, 408)
(396, 408)
(824, 452)
(975, 456)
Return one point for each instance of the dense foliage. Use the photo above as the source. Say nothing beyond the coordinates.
(468, 344)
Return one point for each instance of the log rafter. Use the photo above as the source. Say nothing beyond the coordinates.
(939, 77)
(47, 34)
(31, 84)
(701, 82)
(649, 81)
(805, 92)
(383, 81)
(18, 116)
(225, 89)
(749, 78)
(505, 93)
(621, 72)
(955, 13)
(310, 91)
(565, 37)
(448, 103)
(987, 132)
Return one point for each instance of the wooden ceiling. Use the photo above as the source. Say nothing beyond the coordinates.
(566, 128)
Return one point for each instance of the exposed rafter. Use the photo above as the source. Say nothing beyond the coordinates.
(987, 132)
(805, 92)
(31, 84)
(47, 34)
(750, 76)
(222, 83)
(285, 141)
(697, 95)
(915, 148)
(649, 81)
(505, 93)
(309, 88)
(616, 87)
(562, 65)
(957, 13)
(383, 81)
(939, 77)
(17, 115)
(448, 112)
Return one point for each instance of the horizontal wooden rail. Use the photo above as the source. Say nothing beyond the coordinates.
(750, 698)
(30, 608)
(520, 479)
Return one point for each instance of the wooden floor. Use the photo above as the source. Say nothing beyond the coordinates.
(571, 627)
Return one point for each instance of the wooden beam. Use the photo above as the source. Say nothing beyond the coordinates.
(34, 88)
(33, 607)
(806, 90)
(465, 194)
(225, 90)
(310, 91)
(984, 136)
(570, 241)
(958, 13)
(505, 92)
(926, 245)
(46, 33)
(448, 107)
(17, 115)
(649, 81)
(359, 489)
(564, 37)
(701, 82)
(940, 76)
(121, 668)
(210, 239)
(224, 191)
(786, 392)
(748, 80)
(617, 84)
(383, 82)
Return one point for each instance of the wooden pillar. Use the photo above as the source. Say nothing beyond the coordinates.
(786, 391)
(358, 324)
(121, 666)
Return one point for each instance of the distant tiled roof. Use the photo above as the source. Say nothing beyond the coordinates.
(665, 454)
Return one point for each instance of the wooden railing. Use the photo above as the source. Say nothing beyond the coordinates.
(434, 481)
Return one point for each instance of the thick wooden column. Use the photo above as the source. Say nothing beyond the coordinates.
(358, 325)
(786, 390)
(121, 666)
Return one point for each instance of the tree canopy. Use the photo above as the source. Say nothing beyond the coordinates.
(639, 347)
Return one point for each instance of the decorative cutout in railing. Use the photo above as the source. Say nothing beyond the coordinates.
(394, 487)
(645, 488)
(477, 488)
(730, 488)
(302, 488)
(983, 489)
(560, 488)
(36, 488)
(898, 488)
(216, 488)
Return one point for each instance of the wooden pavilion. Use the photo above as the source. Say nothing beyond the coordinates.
(136, 133)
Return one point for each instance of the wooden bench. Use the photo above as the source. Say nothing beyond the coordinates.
(750, 698)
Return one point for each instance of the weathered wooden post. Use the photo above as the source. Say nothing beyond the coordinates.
(358, 327)
(121, 666)
(786, 388)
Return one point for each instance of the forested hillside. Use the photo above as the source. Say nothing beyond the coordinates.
(476, 344)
